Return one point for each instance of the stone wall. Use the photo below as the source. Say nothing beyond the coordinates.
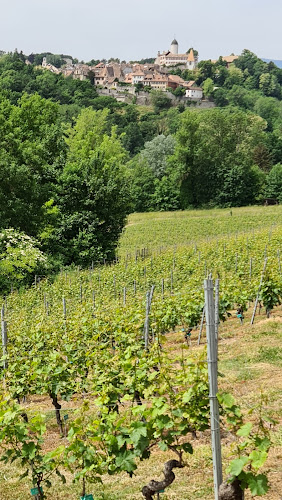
(141, 98)
(202, 104)
(129, 95)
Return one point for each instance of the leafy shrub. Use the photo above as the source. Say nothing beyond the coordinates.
(19, 257)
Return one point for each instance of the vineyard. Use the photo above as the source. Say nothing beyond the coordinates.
(90, 405)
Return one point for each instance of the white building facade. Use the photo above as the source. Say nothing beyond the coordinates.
(194, 93)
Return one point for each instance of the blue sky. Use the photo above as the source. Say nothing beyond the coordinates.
(134, 29)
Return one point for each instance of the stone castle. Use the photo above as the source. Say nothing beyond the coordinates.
(171, 57)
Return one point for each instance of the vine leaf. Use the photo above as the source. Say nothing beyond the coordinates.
(245, 430)
(258, 458)
(237, 466)
(258, 484)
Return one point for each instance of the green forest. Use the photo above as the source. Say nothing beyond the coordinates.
(74, 164)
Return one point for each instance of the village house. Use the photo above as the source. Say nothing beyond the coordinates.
(107, 74)
(175, 81)
(99, 74)
(194, 93)
(128, 79)
(68, 71)
(138, 77)
(156, 81)
(228, 59)
(81, 72)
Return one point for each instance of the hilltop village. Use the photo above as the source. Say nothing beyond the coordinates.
(124, 77)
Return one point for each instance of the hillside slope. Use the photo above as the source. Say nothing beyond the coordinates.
(105, 311)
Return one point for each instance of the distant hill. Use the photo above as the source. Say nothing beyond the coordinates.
(275, 61)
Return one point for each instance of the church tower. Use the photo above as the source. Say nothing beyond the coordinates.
(174, 47)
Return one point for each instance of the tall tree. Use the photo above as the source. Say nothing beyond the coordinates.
(274, 183)
(93, 195)
(32, 153)
(215, 157)
(156, 153)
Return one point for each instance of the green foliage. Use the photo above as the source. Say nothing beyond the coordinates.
(252, 446)
(270, 110)
(31, 154)
(208, 87)
(270, 294)
(270, 355)
(19, 257)
(55, 60)
(274, 183)
(17, 78)
(213, 174)
(269, 84)
(160, 100)
(138, 398)
(92, 195)
(206, 69)
(156, 152)
(234, 77)
(153, 184)
(142, 185)
(221, 158)
(82, 455)
(22, 439)
(221, 97)
(166, 195)
(178, 92)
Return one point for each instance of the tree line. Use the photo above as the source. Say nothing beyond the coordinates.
(74, 164)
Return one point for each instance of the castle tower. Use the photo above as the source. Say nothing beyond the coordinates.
(192, 60)
(174, 47)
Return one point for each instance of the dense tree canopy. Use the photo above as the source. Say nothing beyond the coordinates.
(32, 152)
(214, 155)
(74, 163)
(274, 183)
(156, 152)
(92, 193)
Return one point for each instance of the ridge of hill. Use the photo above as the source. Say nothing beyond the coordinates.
(277, 62)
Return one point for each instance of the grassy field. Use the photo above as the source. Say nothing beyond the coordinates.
(250, 359)
(168, 229)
